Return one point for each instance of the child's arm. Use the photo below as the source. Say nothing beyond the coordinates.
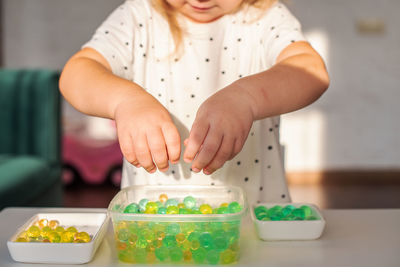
(224, 120)
(145, 128)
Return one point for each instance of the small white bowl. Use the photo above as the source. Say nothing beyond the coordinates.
(288, 230)
(95, 224)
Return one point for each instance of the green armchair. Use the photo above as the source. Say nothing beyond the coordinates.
(30, 139)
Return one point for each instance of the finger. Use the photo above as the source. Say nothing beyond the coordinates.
(173, 142)
(143, 153)
(210, 147)
(127, 149)
(158, 149)
(223, 154)
(196, 137)
(186, 142)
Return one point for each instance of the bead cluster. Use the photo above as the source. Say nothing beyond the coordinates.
(285, 213)
(189, 205)
(212, 242)
(46, 231)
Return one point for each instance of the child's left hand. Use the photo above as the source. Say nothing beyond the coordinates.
(220, 129)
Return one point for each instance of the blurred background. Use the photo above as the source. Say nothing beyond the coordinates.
(343, 151)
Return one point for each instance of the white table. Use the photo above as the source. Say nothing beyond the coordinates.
(351, 238)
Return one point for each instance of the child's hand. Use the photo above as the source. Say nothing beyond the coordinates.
(146, 133)
(220, 129)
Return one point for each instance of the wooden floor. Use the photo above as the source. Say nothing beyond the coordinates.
(342, 190)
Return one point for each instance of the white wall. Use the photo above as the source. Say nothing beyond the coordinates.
(354, 125)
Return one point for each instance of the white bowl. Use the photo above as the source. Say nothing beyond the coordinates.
(95, 224)
(288, 230)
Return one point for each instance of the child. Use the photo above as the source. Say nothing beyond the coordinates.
(208, 78)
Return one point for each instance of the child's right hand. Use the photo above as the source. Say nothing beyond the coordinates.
(146, 133)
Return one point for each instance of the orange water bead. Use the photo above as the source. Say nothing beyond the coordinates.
(180, 237)
(53, 224)
(157, 243)
(195, 245)
(121, 245)
(187, 255)
(151, 257)
(160, 235)
(163, 198)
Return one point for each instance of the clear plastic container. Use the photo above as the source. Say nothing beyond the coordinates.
(178, 238)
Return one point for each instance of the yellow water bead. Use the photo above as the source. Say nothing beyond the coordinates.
(67, 237)
(21, 239)
(83, 236)
(181, 205)
(33, 231)
(54, 237)
(23, 234)
(59, 229)
(72, 229)
(43, 222)
(205, 209)
(45, 232)
(224, 205)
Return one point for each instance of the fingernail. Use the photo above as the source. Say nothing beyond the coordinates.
(187, 160)
(207, 172)
(195, 169)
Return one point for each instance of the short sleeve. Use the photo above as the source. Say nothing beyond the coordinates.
(114, 40)
(283, 29)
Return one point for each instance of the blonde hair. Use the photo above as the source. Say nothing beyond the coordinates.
(168, 12)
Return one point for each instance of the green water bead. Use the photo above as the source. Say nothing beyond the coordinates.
(184, 211)
(141, 242)
(205, 240)
(234, 207)
(221, 242)
(199, 255)
(143, 203)
(123, 235)
(176, 254)
(212, 257)
(312, 218)
(132, 208)
(223, 210)
(162, 210)
(162, 253)
(307, 210)
(171, 202)
(298, 213)
(172, 209)
(194, 236)
(173, 229)
(260, 209)
(169, 241)
(287, 210)
(190, 202)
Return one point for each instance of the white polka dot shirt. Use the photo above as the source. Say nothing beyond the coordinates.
(136, 41)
